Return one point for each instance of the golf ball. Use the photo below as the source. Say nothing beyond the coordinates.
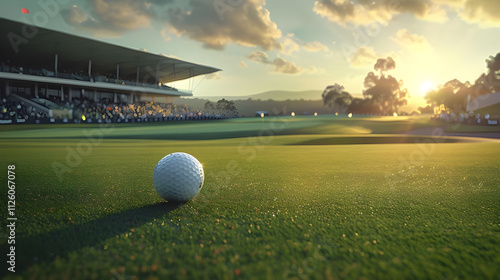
(178, 177)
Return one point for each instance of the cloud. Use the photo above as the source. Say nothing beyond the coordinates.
(455, 3)
(214, 76)
(289, 46)
(259, 56)
(215, 23)
(248, 24)
(337, 11)
(243, 64)
(436, 13)
(165, 35)
(312, 70)
(486, 13)
(286, 67)
(281, 65)
(344, 11)
(111, 18)
(368, 11)
(314, 46)
(411, 41)
(292, 44)
(364, 56)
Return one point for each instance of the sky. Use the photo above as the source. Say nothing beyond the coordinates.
(291, 45)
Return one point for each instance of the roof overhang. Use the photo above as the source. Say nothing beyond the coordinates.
(74, 54)
(127, 89)
(482, 102)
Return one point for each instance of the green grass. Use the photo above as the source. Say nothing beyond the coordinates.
(231, 128)
(473, 128)
(290, 203)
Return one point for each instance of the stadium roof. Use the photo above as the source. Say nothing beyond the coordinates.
(75, 52)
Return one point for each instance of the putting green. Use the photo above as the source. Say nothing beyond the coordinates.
(284, 204)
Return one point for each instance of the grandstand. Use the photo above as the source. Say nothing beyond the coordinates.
(50, 75)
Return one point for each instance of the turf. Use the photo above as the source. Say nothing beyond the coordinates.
(284, 204)
(230, 128)
(473, 128)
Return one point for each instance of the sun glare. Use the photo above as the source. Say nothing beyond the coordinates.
(426, 87)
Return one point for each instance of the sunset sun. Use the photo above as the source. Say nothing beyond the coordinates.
(426, 87)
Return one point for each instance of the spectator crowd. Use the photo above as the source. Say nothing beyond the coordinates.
(86, 110)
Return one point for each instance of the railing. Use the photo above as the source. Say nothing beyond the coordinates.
(47, 73)
(28, 102)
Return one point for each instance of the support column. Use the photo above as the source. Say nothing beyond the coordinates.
(173, 84)
(117, 71)
(115, 98)
(62, 93)
(90, 68)
(190, 78)
(56, 62)
(157, 81)
(69, 94)
(137, 79)
(36, 90)
(95, 95)
(7, 88)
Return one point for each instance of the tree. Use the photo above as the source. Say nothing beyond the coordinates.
(336, 97)
(452, 95)
(426, 110)
(363, 106)
(386, 93)
(493, 63)
(226, 108)
(384, 65)
(493, 76)
(481, 87)
(488, 82)
(209, 107)
(458, 101)
(439, 96)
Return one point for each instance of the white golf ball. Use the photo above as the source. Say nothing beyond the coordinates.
(178, 177)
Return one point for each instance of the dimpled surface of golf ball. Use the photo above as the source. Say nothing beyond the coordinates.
(178, 177)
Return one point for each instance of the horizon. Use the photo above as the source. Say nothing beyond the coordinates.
(264, 47)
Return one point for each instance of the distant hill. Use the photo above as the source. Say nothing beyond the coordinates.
(277, 95)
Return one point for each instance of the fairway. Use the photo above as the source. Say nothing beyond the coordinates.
(284, 198)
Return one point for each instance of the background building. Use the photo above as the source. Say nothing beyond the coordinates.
(486, 106)
(50, 71)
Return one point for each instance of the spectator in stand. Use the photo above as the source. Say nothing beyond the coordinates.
(105, 110)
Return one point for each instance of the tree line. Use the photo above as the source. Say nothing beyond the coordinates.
(222, 107)
(454, 95)
(384, 94)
